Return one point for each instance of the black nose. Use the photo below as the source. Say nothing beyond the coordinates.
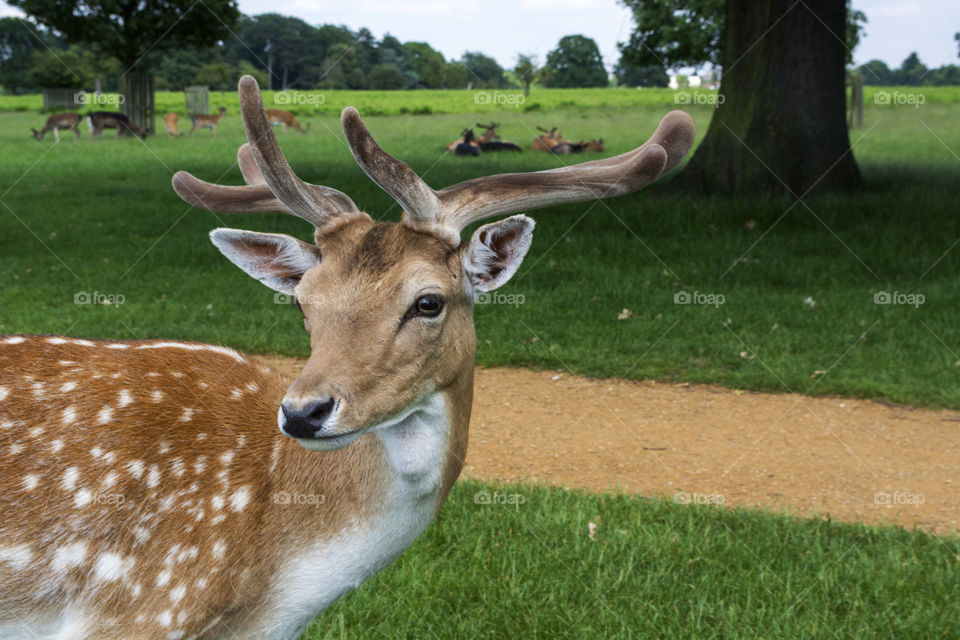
(307, 421)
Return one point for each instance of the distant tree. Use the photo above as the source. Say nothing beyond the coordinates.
(630, 75)
(58, 69)
(526, 70)
(455, 75)
(947, 75)
(177, 69)
(428, 63)
(127, 31)
(341, 69)
(576, 62)
(912, 72)
(290, 50)
(219, 76)
(877, 73)
(19, 38)
(386, 77)
(483, 72)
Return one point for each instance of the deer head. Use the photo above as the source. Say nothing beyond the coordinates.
(389, 306)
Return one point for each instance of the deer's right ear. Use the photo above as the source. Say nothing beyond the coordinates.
(275, 259)
(496, 251)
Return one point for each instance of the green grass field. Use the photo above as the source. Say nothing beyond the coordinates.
(798, 285)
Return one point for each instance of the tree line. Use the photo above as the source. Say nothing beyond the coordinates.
(283, 52)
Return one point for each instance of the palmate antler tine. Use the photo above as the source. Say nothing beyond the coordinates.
(508, 193)
(248, 166)
(418, 200)
(311, 202)
(226, 199)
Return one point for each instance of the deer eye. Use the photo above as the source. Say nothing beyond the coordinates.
(429, 305)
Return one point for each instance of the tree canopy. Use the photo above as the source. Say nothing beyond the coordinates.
(576, 62)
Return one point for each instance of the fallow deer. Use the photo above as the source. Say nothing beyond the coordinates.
(285, 119)
(166, 489)
(547, 140)
(207, 120)
(170, 122)
(490, 140)
(57, 121)
(468, 146)
(100, 120)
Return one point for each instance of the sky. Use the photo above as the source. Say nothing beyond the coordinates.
(504, 28)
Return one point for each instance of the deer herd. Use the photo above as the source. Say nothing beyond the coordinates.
(552, 141)
(149, 486)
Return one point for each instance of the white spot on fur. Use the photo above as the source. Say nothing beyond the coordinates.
(157, 395)
(36, 432)
(163, 578)
(16, 448)
(69, 415)
(176, 635)
(236, 394)
(125, 398)
(69, 556)
(187, 415)
(110, 479)
(30, 481)
(18, 556)
(141, 534)
(70, 479)
(178, 467)
(153, 477)
(219, 549)
(135, 467)
(226, 458)
(111, 567)
(56, 445)
(14, 340)
(200, 465)
(67, 387)
(96, 452)
(117, 345)
(194, 347)
(82, 498)
(217, 502)
(240, 499)
(4, 392)
(201, 437)
(176, 594)
(56, 341)
(165, 618)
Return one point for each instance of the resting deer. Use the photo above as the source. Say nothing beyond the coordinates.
(100, 120)
(57, 121)
(207, 120)
(285, 119)
(468, 146)
(547, 140)
(150, 488)
(170, 122)
(490, 140)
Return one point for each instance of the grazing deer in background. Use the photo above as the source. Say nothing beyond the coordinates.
(170, 122)
(59, 121)
(207, 120)
(285, 119)
(100, 120)
(166, 489)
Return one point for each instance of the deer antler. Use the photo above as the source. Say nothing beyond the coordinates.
(447, 211)
(271, 183)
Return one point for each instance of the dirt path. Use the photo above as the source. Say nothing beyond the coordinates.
(851, 459)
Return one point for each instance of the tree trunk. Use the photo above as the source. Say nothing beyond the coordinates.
(780, 124)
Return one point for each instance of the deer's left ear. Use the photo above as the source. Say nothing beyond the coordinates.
(496, 251)
(275, 259)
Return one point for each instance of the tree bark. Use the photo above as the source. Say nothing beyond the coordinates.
(780, 123)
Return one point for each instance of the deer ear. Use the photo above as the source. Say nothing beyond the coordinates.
(275, 259)
(496, 251)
